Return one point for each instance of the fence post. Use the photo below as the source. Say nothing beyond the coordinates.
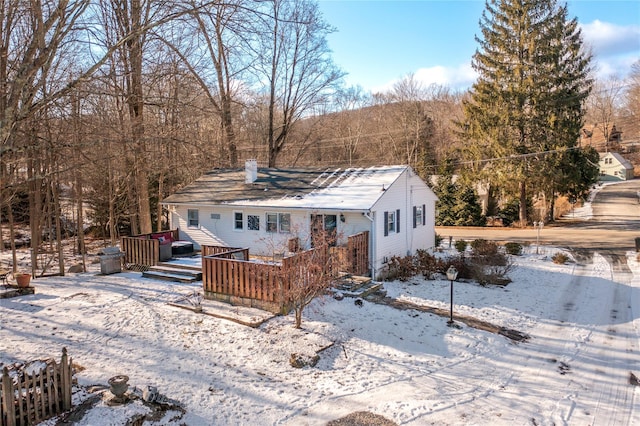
(8, 398)
(65, 372)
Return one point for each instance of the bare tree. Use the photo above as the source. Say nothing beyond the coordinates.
(309, 274)
(604, 104)
(294, 62)
(632, 98)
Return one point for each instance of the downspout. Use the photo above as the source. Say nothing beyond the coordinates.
(373, 250)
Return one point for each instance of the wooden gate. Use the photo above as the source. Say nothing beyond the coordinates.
(29, 399)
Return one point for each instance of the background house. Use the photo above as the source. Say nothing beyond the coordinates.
(614, 167)
(264, 208)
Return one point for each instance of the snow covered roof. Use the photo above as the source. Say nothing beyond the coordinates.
(330, 188)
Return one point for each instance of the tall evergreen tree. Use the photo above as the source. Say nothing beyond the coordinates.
(526, 106)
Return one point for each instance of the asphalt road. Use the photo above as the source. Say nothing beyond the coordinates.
(614, 226)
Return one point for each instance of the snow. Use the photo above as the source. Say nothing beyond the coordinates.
(343, 189)
(405, 365)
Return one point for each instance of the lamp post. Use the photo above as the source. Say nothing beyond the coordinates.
(452, 274)
(538, 226)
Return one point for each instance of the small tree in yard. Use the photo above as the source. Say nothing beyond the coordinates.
(309, 275)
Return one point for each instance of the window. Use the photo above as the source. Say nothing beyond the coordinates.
(253, 222)
(238, 221)
(391, 222)
(279, 222)
(418, 216)
(285, 222)
(272, 222)
(192, 218)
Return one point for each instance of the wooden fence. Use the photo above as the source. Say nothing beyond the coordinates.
(242, 282)
(142, 250)
(225, 252)
(229, 276)
(36, 396)
(354, 257)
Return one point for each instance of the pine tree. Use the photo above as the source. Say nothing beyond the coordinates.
(526, 105)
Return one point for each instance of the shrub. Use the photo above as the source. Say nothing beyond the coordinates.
(513, 248)
(560, 258)
(460, 245)
(460, 264)
(427, 264)
(491, 269)
(401, 268)
(482, 247)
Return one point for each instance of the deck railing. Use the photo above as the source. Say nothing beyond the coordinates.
(242, 282)
(229, 276)
(143, 251)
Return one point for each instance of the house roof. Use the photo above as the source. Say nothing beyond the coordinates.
(619, 158)
(332, 188)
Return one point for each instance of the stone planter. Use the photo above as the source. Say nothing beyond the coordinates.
(23, 280)
(118, 385)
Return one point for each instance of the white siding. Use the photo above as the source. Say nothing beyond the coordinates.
(222, 232)
(403, 194)
(613, 168)
(407, 191)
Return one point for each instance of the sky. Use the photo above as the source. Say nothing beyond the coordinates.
(583, 320)
(378, 42)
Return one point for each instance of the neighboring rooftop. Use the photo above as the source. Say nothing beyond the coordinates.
(345, 189)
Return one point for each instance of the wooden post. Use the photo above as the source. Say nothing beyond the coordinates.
(8, 407)
(65, 372)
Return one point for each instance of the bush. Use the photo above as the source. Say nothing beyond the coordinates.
(560, 258)
(491, 269)
(484, 248)
(460, 245)
(438, 240)
(401, 268)
(460, 264)
(427, 264)
(513, 248)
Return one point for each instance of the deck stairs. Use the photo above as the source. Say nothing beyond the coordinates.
(174, 272)
(358, 287)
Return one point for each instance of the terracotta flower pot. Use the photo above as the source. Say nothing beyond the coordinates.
(23, 280)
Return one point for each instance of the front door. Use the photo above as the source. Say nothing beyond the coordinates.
(324, 225)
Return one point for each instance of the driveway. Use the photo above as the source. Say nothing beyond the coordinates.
(602, 353)
(614, 225)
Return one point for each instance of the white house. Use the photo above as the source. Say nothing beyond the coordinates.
(614, 167)
(263, 208)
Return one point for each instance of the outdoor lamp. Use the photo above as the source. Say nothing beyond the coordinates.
(452, 274)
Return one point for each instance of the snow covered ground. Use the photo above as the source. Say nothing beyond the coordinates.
(408, 366)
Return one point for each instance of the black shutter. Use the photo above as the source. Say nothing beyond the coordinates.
(415, 213)
(424, 215)
(398, 220)
(386, 223)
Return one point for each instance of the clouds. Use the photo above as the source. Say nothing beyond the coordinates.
(607, 39)
(460, 77)
(614, 47)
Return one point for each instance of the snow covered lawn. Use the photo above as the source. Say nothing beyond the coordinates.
(405, 365)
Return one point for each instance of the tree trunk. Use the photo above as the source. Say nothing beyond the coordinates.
(57, 214)
(298, 315)
(159, 206)
(523, 204)
(12, 238)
